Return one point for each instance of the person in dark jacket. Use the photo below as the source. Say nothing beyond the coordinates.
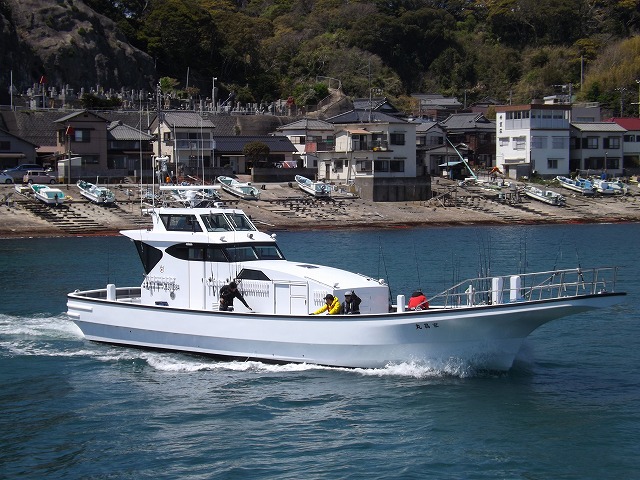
(227, 294)
(351, 304)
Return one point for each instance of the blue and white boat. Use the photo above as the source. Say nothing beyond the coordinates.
(580, 185)
(317, 189)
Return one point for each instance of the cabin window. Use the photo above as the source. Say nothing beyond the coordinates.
(181, 223)
(215, 254)
(241, 254)
(216, 223)
(248, 274)
(240, 222)
(196, 253)
(269, 252)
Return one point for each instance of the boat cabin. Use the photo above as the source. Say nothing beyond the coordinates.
(191, 253)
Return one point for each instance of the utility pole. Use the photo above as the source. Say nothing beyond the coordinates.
(213, 94)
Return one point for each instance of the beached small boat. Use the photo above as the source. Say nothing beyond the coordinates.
(189, 255)
(95, 193)
(317, 189)
(603, 187)
(246, 191)
(619, 187)
(544, 195)
(580, 185)
(47, 194)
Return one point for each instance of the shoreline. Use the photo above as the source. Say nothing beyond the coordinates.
(284, 208)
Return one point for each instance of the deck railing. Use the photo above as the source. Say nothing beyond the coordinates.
(527, 287)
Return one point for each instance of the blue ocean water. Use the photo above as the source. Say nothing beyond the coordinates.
(569, 409)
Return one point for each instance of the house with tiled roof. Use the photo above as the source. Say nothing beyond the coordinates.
(377, 152)
(128, 148)
(596, 147)
(309, 136)
(15, 150)
(477, 132)
(83, 134)
(435, 106)
(229, 151)
(630, 143)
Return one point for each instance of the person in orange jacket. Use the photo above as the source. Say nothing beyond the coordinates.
(331, 306)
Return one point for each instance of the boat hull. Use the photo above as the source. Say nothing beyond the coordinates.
(487, 337)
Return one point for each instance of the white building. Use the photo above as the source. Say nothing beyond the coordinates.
(309, 136)
(369, 144)
(533, 139)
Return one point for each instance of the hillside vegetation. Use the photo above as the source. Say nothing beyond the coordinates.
(266, 49)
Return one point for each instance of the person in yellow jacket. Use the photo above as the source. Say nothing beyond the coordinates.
(331, 305)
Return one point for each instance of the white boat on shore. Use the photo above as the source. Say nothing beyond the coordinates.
(95, 193)
(317, 189)
(48, 194)
(603, 187)
(190, 254)
(246, 191)
(544, 195)
(580, 185)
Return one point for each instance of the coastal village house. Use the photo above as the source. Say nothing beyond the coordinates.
(377, 153)
(532, 139)
(596, 148)
(630, 144)
(309, 136)
(83, 134)
(475, 131)
(15, 150)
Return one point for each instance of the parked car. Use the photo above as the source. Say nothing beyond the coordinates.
(16, 173)
(38, 176)
(4, 178)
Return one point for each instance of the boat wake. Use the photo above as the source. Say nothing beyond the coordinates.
(57, 336)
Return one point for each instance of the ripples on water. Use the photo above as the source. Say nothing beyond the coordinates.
(77, 409)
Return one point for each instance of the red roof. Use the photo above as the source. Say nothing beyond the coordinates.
(628, 123)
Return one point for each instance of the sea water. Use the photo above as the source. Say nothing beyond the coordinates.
(568, 409)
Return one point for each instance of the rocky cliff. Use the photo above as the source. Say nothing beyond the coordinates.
(69, 44)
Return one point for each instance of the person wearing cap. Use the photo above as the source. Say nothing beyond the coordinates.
(331, 306)
(351, 304)
(227, 294)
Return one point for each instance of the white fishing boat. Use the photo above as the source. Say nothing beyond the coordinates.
(48, 194)
(95, 193)
(246, 191)
(190, 254)
(619, 187)
(317, 189)
(580, 185)
(545, 195)
(603, 187)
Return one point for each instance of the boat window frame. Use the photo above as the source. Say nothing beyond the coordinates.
(208, 252)
(190, 224)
